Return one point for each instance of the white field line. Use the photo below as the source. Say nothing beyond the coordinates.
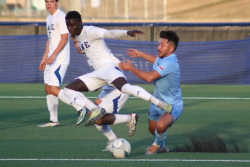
(129, 160)
(186, 98)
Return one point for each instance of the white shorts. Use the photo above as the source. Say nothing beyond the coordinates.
(100, 77)
(113, 101)
(54, 74)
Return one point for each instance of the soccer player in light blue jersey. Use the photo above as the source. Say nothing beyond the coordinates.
(166, 77)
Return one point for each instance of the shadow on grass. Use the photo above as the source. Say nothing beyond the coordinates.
(210, 143)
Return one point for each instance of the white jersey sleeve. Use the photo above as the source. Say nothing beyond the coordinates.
(95, 33)
(62, 25)
(114, 33)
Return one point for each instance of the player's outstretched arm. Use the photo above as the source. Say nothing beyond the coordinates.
(136, 53)
(144, 75)
(120, 33)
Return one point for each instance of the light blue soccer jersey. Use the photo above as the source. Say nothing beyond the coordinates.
(167, 88)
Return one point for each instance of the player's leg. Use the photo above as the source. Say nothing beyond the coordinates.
(112, 119)
(80, 117)
(109, 107)
(164, 122)
(52, 103)
(108, 133)
(52, 100)
(54, 77)
(153, 117)
(137, 91)
(73, 92)
(112, 100)
(109, 73)
(88, 82)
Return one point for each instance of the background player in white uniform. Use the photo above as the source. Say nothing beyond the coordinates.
(166, 77)
(105, 65)
(112, 100)
(55, 61)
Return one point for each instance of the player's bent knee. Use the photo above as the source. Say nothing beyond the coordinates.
(119, 83)
(77, 85)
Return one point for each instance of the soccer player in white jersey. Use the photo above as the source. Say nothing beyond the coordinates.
(112, 100)
(55, 61)
(105, 65)
(166, 77)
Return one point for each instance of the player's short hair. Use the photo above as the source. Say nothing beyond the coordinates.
(170, 36)
(73, 15)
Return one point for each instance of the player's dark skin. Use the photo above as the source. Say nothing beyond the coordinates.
(75, 27)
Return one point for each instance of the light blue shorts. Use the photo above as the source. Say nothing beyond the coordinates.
(155, 112)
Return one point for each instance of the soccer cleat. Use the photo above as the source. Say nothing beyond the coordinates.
(96, 113)
(152, 150)
(165, 106)
(132, 124)
(155, 150)
(49, 124)
(81, 115)
(163, 150)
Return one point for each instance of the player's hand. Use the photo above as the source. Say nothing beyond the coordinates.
(125, 65)
(133, 53)
(77, 45)
(50, 60)
(42, 65)
(134, 32)
(79, 50)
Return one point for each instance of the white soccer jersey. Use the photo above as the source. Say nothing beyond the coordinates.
(56, 26)
(93, 46)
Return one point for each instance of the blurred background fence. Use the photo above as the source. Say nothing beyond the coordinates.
(188, 32)
(206, 62)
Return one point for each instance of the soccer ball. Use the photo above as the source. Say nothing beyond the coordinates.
(120, 148)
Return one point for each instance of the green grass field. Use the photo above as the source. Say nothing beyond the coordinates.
(210, 110)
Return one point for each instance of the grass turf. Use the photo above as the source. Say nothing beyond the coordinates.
(22, 143)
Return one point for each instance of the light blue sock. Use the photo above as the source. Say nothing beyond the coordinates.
(160, 138)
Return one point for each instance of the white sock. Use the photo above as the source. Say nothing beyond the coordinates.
(140, 93)
(107, 132)
(79, 99)
(66, 100)
(52, 103)
(122, 118)
(89, 104)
